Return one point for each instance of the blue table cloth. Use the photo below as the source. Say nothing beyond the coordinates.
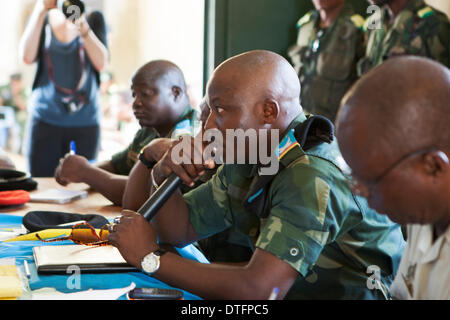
(23, 250)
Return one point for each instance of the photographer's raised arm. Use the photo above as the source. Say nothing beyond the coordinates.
(29, 43)
(96, 50)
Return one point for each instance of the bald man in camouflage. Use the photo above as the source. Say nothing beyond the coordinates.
(311, 237)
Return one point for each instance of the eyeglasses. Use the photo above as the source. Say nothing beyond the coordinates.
(365, 188)
(84, 234)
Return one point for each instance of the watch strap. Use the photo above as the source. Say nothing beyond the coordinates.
(148, 164)
(160, 252)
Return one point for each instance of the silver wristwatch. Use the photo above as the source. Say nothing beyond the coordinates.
(151, 262)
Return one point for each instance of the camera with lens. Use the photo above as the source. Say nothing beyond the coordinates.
(72, 9)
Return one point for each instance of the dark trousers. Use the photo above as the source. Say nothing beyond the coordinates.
(47, 144)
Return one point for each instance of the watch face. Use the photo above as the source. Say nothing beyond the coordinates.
(150, 263)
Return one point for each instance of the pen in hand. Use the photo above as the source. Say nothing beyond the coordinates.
(274, 294)
(73, 148)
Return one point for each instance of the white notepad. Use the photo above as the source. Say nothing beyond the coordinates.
(57, 196)
(57, 259)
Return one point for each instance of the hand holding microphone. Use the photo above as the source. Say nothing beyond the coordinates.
(168, 175)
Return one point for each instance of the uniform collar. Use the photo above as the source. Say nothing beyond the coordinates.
(412, 5)
(346, 11)
(447, 234)
(299, 119)
(430, 250)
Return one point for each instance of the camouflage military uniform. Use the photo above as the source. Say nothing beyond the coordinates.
(124, 161)
(325, 59)
(312, 222)
(417, 30)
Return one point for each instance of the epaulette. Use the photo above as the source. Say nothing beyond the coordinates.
(425, 12)
(358, 21)
(305, 19)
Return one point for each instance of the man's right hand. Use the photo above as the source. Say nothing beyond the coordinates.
(192, 165)
(70, 169)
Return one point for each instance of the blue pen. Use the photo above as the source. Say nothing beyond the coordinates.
(274, 294)
(73, 148)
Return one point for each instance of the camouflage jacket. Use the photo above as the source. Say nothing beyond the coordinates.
(417, 30)
(325, 59)
(312, 221)
(124, 161)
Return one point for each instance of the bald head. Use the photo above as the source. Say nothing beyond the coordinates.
(160, 69)
(257, 76)
(265, 72)
(393, 132)
(401, 106)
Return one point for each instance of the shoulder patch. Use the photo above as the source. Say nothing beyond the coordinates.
(357, 20)
(425, 12)
(305, 19)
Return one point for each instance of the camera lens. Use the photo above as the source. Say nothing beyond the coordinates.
(72, 8)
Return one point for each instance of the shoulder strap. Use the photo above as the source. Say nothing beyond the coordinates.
(308, 134)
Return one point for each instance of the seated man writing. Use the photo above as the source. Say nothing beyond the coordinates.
(394, 133)
(311, 237)
(161, 106)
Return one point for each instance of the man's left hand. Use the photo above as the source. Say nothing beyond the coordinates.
(134, 237)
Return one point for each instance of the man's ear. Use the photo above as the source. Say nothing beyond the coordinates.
(436, 163)
(176, 91)
(271, 111)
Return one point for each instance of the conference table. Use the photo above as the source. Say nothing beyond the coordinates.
(94, 203)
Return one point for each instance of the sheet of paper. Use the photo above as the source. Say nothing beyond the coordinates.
(57, 196)
(110, 294)
(10, 285)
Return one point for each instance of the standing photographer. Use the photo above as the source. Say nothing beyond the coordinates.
(70, 50)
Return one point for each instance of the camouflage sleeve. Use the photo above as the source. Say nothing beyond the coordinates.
(119, 161)
(124, 160)
(208, 206)
(437, 37)
(302, 219)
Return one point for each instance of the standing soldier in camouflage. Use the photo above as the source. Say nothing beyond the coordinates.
(310, 236)
(405, 27)
(329, 45)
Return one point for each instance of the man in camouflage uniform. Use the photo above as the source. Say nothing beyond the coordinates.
(329, 45)
(312, 238)
(161, 106)
(416, 29)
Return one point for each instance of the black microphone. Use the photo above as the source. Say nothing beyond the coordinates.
(151, 207)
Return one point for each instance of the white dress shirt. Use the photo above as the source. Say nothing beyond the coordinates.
(424, 272)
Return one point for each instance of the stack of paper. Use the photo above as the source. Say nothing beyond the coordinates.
(10, 284)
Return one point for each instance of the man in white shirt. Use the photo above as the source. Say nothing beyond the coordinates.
(393, 130)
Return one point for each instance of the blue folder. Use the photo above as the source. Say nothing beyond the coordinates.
(23, 250)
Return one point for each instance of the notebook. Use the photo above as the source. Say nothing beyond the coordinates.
(58, 259)
(60, 196)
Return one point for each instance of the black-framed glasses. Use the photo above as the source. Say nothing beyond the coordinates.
(365, 188)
